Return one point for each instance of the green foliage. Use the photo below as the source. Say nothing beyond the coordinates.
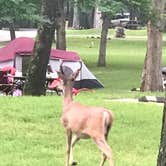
(111, 7)
(140, 8)
(143, 10)
(84, 5)
(12, 11)
(157, 16)
(87, 4)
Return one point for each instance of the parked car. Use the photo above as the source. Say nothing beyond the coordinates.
(119, 20)
(132, 24)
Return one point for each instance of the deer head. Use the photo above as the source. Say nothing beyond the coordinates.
(67, 74)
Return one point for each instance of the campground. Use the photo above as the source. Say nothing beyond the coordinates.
(30, 128)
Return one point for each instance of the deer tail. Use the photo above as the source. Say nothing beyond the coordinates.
(108, 120)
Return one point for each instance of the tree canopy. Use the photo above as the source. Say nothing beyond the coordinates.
(12, 11)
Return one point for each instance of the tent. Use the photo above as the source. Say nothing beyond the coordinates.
(17, 54)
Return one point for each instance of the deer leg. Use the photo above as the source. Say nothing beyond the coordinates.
(74, 140)
(69, 137)
(104, 157)
(104, 147)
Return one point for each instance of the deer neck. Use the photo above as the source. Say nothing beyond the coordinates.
(68, 96)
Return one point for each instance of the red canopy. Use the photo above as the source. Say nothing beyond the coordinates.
(9, 69)
(66, 55)
(24, 46)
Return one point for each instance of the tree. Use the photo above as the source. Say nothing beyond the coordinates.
(60, 26)
(162, 150)
(109, 8)
(87, 9)
(151, 75)
(103, 40)
(12, 11)
(137, 9)
(82, 13)
(165, 18)
(97, 21)
(36, 75)
(76, 20)
(161, 161)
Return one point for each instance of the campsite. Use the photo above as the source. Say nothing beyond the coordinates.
(82, 83)
(31, 133)
(18, 52)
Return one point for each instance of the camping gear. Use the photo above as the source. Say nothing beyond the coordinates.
(18, 52)
(56, 85)
(6, 80)
(18, 87)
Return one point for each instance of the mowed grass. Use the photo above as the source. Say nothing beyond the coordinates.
(30, 130)
(124, 59)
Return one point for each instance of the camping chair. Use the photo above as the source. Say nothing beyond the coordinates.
(6, 80)
(5, 85)
(56, 85)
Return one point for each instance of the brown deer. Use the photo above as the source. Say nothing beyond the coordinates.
(82, 121)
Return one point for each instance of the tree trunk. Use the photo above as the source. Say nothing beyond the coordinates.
(103, 41)
(12, 31)
(97, 22)
(76, 19)
(165, 16)
(132, 14)
(151, 75)
(162, 150)
(36, 75)
(70, 15)
(60, 27)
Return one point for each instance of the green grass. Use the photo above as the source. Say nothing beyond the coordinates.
(30, 130)
(31, 133)
(139, 34)
(125, 59)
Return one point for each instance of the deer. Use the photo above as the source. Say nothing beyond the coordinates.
(81, 121)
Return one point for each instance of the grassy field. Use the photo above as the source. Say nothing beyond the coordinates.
(30, 129)
(31, 133)
(125, 58)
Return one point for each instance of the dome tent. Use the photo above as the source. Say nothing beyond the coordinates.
(18, 52)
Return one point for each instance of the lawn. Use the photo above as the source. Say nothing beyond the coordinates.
(30, 130)
(125, 58)
(31, 133)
